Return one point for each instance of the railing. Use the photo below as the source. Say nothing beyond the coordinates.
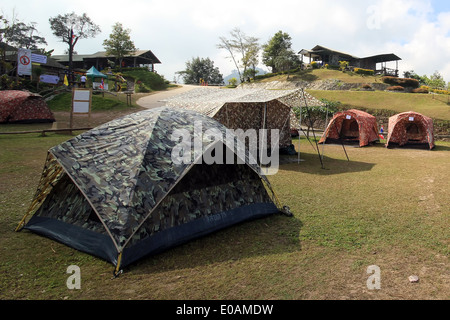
(387, 72)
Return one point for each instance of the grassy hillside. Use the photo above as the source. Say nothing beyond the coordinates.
(325, 74)
(434, 106)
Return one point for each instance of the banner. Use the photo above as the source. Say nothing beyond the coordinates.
(46, 78)
(38, 58)
(24, 62)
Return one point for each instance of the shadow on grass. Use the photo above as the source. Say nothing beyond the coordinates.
(305, 75)
(276, 234)
(441, 148)
(311, 163)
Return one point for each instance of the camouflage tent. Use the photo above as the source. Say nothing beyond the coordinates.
(410, 129)
(351, 126)
(116, 192)
(23, 107)
(245, 109)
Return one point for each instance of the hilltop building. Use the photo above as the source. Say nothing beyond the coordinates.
(100, 60)
(378, 63)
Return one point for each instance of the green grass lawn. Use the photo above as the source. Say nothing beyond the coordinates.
(325, 74)
(386, 207)
(434, 106)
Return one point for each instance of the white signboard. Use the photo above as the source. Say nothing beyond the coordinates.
(411, 118)
(348, 117)
(24, 62)
(81, 101)
(38, 58)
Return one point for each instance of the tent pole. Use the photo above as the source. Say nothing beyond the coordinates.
(299, 129)
(342, 142)
(314, 134)
(262, 138)
(326, 125)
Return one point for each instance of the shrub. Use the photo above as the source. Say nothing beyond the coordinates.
(395, 88)
(404, 82)
(364, 71)
(232, 82)
(440, 91)
(343, 65)
(420, 90)
(314, 65)
(332, 67)
(366, 86)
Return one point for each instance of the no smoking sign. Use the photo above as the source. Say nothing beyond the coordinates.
(24, 60)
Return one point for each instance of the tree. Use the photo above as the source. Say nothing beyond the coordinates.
(314, 114)
(435, 81)
(19, 34)
(199, 69)
(277, 53)
(71, 27)
(119, 43)
(16, 34)
(243, 50)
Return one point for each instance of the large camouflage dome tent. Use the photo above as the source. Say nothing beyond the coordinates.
(116, 193)
(243, 108)
(410, 129)
(351, 126)
(23, 107)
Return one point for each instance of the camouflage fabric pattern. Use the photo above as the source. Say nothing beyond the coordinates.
(119, 178)
(366, 133)
(248, 108)
(397, 129)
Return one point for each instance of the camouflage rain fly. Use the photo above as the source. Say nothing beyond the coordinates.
(115, 192)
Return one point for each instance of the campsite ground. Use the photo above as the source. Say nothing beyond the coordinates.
(384, 207)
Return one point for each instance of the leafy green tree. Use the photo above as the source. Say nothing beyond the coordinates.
(119, 43)
(71, 27)
(278, 53)
(201, 70)
(435, 81)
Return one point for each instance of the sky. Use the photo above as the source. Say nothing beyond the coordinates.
(418, 31)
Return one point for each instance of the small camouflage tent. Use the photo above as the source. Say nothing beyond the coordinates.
(23, 107)
(410, 129)
(117, 193)
(246, 109)
(351, 126)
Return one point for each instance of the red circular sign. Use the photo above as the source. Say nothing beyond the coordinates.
(24, 60)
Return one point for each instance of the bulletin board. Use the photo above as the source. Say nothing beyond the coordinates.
(81, 103)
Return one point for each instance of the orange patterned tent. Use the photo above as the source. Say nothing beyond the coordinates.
(410, 129)
(351, 126)
(23, 107)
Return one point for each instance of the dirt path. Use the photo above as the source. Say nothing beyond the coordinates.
(154, 100)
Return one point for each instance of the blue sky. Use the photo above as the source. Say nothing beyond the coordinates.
(418, 31)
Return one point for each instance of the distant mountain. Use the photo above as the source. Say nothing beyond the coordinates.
(235, 74)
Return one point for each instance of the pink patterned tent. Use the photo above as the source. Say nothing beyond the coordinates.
(351, 126)
(410, 129)
(23, 107)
